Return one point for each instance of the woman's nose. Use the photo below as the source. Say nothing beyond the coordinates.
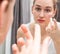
(41, 14)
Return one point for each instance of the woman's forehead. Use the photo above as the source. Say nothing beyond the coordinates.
(44, 2)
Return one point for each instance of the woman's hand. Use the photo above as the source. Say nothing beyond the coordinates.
(52, 26)
(54, 30)
(30, 45)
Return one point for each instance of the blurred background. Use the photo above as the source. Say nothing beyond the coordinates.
(22, 14)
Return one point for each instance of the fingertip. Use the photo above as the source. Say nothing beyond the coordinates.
(37, 25)
(23, 27)
(14, 47)
(26, 31)
(37, 28)
(20, 42)
(37, 35)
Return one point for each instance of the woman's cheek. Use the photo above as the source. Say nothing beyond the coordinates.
(49, 15)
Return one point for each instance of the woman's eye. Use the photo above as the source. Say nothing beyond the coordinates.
(38, 9)
(47, 10)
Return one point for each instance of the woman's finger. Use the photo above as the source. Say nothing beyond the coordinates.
(27, 33)
(37, 39)
(53, 26)
(15, 49)
(20, 43)
(55, 23)
(45, 46)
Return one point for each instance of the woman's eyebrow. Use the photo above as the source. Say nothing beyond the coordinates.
(38, 5)
(48, 7)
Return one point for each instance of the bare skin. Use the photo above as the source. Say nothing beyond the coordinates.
(6, 17)
(43, 10)
(31, 46)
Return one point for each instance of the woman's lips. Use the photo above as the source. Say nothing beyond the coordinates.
(40, 20)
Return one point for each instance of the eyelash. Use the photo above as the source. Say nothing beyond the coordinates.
(39, 9)
(47, 10)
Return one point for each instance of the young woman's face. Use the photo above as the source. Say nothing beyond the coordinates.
(42, 11)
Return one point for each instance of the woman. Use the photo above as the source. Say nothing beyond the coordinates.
(43, 12)
(6, 17)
